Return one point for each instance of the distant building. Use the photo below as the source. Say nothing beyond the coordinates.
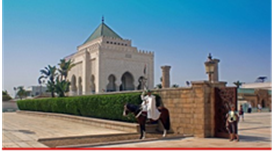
(33, 91)
(256, 93)
(258, 85)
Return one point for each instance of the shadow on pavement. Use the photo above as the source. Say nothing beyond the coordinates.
(245, 138)
(23, 131)
(262, 127)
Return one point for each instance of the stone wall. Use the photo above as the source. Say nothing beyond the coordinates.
(191, 109)
(9, 106)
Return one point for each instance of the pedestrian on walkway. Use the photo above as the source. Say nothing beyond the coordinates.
(231, 122)
(241, 112)
(249, 108)
(259, 108)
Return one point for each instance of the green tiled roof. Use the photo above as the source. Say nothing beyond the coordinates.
(102, 30)
(245, 91)
(249, 91)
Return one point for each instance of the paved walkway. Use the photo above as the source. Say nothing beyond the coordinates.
(255, 132)
(20, 130)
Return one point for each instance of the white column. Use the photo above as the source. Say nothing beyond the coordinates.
(84, 74)
(97, 75)
(118, 82)
(136, 83)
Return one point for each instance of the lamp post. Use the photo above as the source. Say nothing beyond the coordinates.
(209, 66)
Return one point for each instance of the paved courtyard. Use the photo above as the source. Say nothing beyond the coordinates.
(255, 132)
(20, 130)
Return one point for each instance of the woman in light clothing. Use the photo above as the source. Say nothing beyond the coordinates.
(259, 108)
(232, 122)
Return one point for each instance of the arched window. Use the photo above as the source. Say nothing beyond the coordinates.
(127, 82)
(111, 85)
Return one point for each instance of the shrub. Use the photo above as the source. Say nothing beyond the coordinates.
(99, 106)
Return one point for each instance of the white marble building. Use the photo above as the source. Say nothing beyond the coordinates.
(106, 62)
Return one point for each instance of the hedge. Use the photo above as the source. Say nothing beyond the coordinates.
(108, 106)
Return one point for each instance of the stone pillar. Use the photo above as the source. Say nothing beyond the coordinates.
(165, 76)
(205, 105)
(216, 71)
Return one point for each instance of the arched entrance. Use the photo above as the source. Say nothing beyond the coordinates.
(111, 85)
(73, 85)
(127, 82)
(263, 104)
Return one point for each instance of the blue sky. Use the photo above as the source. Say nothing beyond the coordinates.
(181, 34)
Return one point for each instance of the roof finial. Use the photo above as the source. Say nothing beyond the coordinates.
(102, 19)
(209, 57)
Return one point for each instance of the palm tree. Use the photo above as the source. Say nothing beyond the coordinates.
(50, 74)
(21, 92)
(238, 84)
(65, 67)
(61, 87)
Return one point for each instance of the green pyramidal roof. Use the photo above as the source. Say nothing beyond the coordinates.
(102, 30)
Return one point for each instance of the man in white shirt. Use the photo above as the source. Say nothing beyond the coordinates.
(149, 105)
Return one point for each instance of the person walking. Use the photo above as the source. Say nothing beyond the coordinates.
(241, 112)
(259, 108)
(249, 108)
(232, 122)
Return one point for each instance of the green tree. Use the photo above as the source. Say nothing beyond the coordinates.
(61, 87)
(5, 96)
(62, 84)
(49, 73)
(159, 86)
(65, 67)
(21, 92)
